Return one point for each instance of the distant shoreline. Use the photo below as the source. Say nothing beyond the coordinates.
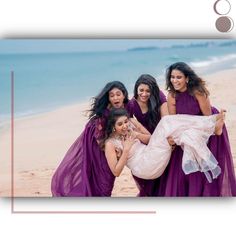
(5, 118)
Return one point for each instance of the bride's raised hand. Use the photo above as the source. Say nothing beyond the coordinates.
(128, 142)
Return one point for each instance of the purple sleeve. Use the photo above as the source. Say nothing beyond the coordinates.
(100, 124)
(162, 97)
(130, 108)
(99, 128)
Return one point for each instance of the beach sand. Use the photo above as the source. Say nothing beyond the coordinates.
(40, 142)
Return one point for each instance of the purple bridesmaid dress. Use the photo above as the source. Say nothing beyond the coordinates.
(146, 187)
(84, 171)
(174, 182)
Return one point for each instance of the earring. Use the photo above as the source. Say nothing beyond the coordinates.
(114, 130)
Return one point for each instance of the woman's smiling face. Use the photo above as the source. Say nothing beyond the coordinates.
(122, 125)
(178, 80)
(144, 93)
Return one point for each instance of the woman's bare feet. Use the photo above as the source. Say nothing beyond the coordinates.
(220, 122)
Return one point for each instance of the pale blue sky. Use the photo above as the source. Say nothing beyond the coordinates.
(82, 45)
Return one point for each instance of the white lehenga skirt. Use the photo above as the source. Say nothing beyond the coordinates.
(191, 133)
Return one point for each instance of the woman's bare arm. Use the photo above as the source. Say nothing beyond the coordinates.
(116, 166)
(164, 109)
(142, 133)
(171, 104)
(204, 103)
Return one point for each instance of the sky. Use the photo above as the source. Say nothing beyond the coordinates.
(83, 45)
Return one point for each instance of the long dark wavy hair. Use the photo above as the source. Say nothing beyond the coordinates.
(154, 102)
(101, 101)
(195, 83)
(114, 114)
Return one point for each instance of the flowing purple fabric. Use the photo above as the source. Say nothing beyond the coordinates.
(174, 182)
(84, 171)
(146, 187)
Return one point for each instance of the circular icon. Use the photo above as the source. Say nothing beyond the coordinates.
(224, 24)
(222, 7)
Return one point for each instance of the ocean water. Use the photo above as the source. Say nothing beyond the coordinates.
(45, 81)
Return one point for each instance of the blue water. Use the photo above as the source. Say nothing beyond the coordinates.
(45, 81)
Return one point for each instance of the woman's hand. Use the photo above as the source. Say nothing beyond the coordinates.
(128, 142)
(171, 143)
(134, 133)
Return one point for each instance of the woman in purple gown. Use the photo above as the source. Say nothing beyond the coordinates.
(84, 170)
(148, 106)
(188, 95)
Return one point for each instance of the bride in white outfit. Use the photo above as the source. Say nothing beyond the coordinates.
(127, 142)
